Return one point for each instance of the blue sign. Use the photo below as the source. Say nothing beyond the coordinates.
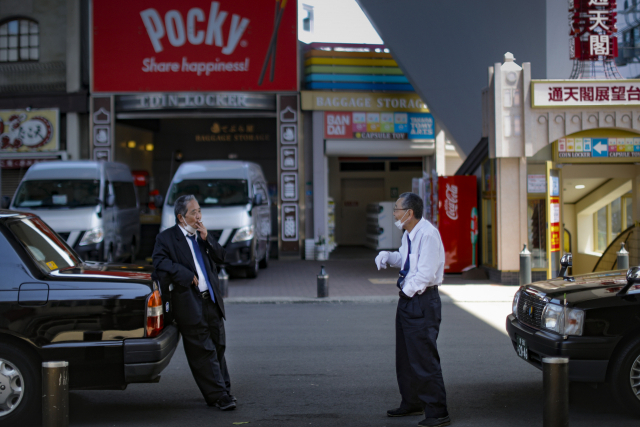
(599, 147)
(421, 126)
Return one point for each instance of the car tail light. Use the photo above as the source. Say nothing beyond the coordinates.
(155, 317)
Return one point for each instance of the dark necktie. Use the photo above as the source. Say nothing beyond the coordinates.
(405, 269)
(196, 250)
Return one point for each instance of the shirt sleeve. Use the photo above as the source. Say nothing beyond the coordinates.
(429, 258)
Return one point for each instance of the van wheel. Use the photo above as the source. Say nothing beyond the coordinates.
(264, 262)
(252, 271)
(625, 376)
(21, 385)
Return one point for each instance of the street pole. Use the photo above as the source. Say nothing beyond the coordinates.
(55, 394)
(623, 258)
(223, 280)
(525, 266)
(323, 283)
(555, 383)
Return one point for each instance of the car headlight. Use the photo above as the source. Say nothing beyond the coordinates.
(243, 234)
(92, 236)
(516, 298)
(553, 319)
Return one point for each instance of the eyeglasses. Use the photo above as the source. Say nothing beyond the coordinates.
(399, 209)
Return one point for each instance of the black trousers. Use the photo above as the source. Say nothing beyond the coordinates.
(417, 360)
(204, 345)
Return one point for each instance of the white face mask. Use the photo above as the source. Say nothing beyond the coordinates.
(189, 228)
(399, 223)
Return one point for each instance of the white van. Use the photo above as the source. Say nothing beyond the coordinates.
(235, 208)
(92, 205)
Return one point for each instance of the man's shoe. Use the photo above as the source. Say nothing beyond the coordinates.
(233, 398)
(225, 403)
(435, 422)
(400, 412)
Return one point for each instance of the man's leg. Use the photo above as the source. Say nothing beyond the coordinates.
(203, 360)
(215, 321)
(421, 334)
(404, 373)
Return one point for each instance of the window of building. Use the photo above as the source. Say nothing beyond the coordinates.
(19, 40)
(488, 213)
(307, 21)
(611, 220)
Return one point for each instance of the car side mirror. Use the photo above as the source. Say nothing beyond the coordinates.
(633, 278)
(158, 199)
(566, 261)
(111, 200)
(257, 199)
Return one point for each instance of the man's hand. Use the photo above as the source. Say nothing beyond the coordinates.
(382, 259)
(195, 281)
(203, 231)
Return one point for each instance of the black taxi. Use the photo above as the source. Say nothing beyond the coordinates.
(106, 320)
(593, 319)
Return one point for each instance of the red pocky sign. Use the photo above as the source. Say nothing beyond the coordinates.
(194, 45)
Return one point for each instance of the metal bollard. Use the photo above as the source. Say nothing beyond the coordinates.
(525, 266)
(55, 394)
(623, 258)
(555, 383)
(323, 283)
(223, 279)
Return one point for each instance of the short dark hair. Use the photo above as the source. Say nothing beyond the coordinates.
(181, 205)
(414, 202)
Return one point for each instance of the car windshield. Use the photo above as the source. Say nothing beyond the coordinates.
(64, 193)
(48, 250)
(211, 192)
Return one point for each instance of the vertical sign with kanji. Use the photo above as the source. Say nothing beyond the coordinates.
(102, 128)
(288, 146)
(592, 26)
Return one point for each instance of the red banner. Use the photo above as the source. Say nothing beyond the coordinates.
(194, 45)
(554, 220)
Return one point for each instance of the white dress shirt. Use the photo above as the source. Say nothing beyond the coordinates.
(202, 281)
(426, 261)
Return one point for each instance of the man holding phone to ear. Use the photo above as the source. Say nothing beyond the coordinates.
(186, 256)
(421, 260)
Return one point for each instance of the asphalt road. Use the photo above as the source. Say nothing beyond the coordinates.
(333, 365)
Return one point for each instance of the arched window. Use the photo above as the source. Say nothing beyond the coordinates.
(19, 40)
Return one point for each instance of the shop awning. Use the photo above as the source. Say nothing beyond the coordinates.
(374, 148)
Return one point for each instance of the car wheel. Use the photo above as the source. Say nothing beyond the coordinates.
(625, 376)
(264, 262)
(252, 271)
(20, 385)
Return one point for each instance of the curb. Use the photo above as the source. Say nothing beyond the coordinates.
(376, 299)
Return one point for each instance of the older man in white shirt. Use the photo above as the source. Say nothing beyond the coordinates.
(421, 260)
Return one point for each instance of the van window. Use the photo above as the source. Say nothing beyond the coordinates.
(63, 193)
(211, 192)
(125, 195)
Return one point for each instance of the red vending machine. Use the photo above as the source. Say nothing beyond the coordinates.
(457, 221)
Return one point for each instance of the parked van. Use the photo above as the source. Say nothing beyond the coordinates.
(235, 208)
(92, 205)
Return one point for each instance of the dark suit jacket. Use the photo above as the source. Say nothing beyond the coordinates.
(174, 263)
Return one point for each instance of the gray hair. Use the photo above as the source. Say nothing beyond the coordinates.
(181, 205)
(414, 202)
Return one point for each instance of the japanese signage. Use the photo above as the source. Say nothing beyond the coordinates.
(102, 127)
(204, 100)
(362, 101)
(536, 184)
(289, 184)
(584, 93)
(554, 229)
(592, 25)
(238, 130)
(194, 45)
(23, 163)
(29, 131)
(363, 125)
(597, 150)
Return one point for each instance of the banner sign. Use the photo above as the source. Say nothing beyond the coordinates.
(29, 131)
(592, 24)
(194, 45)
(192, 100)
(597, 150)
(363, 125)
(584, 93)
(554, 229)
(362, 101)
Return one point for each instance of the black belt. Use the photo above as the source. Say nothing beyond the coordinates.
(205, 295)
(428, 288)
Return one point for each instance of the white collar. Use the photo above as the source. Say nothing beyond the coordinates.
(417, 227)
(185, 232)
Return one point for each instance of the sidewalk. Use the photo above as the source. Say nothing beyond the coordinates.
(349, 279)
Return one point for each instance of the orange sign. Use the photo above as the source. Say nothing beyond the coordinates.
(554, 216)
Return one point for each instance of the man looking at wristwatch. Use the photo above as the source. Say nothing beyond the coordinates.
(421, 260)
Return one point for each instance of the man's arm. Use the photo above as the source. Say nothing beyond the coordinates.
(178, 273)
(429, 258)
(215, 250)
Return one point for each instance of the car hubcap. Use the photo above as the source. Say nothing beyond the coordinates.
(634, 377)
(11, 387)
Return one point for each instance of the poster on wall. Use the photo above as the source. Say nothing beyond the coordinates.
(361, 125)
(23, 131)
(194, 45)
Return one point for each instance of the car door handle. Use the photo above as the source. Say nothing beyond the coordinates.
(33, 294)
